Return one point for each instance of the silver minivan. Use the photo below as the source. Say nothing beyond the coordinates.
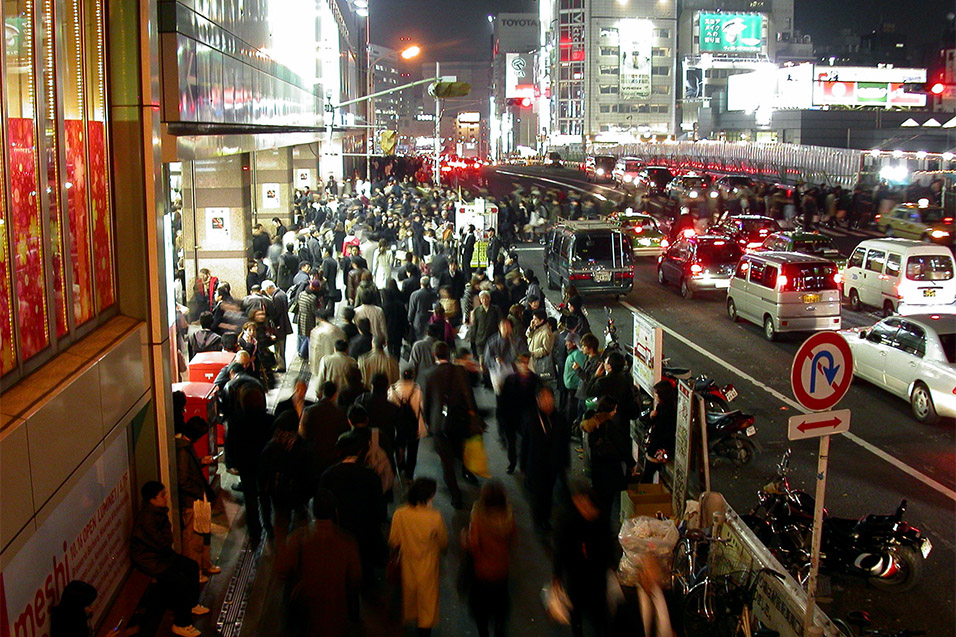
(785, 292)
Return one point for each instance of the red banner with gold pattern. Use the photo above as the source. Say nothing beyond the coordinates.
(76, 171)
(8, 353)
(102, 219)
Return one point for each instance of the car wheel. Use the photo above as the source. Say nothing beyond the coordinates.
(685, 290)
(855, 304)
(888, 309)
(732, 311)
(769, 330)
(660, 276)
(922, 403)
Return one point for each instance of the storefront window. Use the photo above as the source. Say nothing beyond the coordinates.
(99, 181)
(8, 351)
(22, 162)
(76, 167)
(53, 170)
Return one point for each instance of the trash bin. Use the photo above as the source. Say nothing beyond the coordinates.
(201, 401)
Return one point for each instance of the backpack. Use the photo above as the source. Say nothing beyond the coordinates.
(377, 460)
(407, 424)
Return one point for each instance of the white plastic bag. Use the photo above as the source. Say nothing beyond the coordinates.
(644, 537)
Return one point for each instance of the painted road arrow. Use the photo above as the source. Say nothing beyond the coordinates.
(818, 424)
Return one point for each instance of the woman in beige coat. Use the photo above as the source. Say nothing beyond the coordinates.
(419, 535)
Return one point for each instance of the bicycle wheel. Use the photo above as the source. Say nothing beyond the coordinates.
(681, 575)
(697, 612)
(713, 607)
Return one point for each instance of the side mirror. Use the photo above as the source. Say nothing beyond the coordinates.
(862, 334)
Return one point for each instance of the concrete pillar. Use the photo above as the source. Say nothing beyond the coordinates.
(273, 190)
(305, 166)
(217, 219)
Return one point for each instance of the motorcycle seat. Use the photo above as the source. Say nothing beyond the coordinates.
(713, 417)
(702, 383)
(676, 372)
(840, 526)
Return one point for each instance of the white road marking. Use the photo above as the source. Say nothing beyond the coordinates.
(559, 183)
(879, 453)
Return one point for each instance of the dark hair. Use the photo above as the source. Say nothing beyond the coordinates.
(236, 368)
(616, 361)
(553, 323)
(576, 301)
(195, 428)
(421, 491)
(328, 387)
(151, 489)
(441, 350)
(364, 325)
(286, 420)
(434, 330)
(205, 320)
(324, 505)
(589, 340)
(606, 405)
(379, 382)
(493, 495)
(463, 352)
(341, 345)
(229, 341)
(665, 391)
(541, 314)
(303, 264)
(408, 373)
(348, 314)
(358, 415)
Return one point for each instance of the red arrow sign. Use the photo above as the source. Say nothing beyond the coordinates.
(823, 424)
(818, 424)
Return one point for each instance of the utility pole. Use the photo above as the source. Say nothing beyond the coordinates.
(437, 130)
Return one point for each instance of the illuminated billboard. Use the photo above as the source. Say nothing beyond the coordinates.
(732, 33)
(519, 75)
(635, 37)
(862, 86)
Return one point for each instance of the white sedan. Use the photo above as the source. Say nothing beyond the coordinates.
(913, 357)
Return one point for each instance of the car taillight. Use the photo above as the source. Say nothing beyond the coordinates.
(689, 232)
(696, 268)
(581, 276)
(638, 229)
(837, 278)
(624, 275)
(782, 281)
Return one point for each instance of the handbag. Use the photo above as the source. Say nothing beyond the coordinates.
(304, 348)
(475, 457)
(544, 368)
(202, 515)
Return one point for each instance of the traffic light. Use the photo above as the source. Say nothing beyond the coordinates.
(523, 102)
(937, 88)
(449, 89)
(926, 88)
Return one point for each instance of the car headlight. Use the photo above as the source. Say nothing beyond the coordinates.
(599, 171)
(938, 234)
(628, 178)
(693, 194)
(713, 194)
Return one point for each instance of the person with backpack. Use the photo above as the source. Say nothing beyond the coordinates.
(287, 268)
(377, 457)
(410, 424)
(285, 482)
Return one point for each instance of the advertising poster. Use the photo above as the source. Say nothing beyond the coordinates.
(217, 227)
(303, 177)
(635, 63)
(865, 87)
(648, 341)
(519, 75)
(270, 196)
(86, 537)
(685, 415)
(732, 33)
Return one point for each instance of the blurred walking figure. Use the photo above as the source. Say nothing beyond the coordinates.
(419, 536)
(488, 540)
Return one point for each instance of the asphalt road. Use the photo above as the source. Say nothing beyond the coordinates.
(888, 457)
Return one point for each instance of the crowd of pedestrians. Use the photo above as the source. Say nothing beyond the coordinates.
(398, 325)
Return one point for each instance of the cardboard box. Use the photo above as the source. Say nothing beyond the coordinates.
(646, 499)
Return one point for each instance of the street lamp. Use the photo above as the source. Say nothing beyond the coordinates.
(407, 53)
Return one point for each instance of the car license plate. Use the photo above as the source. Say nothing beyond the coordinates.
(731, 393)
(811, 298)
(926, 547)
(929, 293)
(721, 285)
(751, 430)
(602, 277)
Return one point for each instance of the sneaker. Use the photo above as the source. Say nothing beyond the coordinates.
(213, 570)
(199, 609)
(186, 631)
(203, 579)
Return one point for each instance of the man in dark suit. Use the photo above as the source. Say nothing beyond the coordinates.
(420, 306)
(320, 426)
(279, 317)
(449, 406)
(204, 339)
(468, 250)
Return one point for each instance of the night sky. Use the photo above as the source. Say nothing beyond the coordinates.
(459, 29)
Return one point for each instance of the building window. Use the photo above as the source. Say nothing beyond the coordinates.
(605, 108)
(611, 34)
(663, 34)
(606, 89)
(661, 51)
(609, 70)
(661, 89)
(660, 70)
(659, 108)
(612, 51)
(56, 225)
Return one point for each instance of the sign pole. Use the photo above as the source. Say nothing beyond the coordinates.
(704, 443)
(822, 460)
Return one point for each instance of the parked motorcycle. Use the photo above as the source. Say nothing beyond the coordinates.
(729, 437)
(882, 548)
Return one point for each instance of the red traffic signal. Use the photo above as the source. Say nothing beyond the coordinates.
(523, 102)
(937, 88)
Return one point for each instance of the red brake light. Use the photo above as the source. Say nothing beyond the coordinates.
(782, 281)
(638, 229)
(696, 268)
(837, 278)
(689, 232)
(719, 243)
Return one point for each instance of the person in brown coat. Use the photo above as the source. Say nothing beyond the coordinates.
(489, 539)
(322, 573)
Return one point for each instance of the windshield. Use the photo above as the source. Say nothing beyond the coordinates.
(930, 267)
(718, 252)
(645, 222)
(659, 175)
(632, 165)
(694, 182)
(948, 341)
(604, 162)
(933, 215)
(593, 247)
(752, 225)
(822, 247)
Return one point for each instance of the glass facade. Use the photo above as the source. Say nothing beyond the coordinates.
(57, 217)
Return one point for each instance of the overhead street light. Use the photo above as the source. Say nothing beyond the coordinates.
(411, 52)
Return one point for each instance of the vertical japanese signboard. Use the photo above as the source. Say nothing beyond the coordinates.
(685, 415)
(648, 339)
(635, 38)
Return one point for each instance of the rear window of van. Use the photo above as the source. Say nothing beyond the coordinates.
(929, 267)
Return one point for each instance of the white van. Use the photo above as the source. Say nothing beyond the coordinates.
(899, 275)
(785, 292)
